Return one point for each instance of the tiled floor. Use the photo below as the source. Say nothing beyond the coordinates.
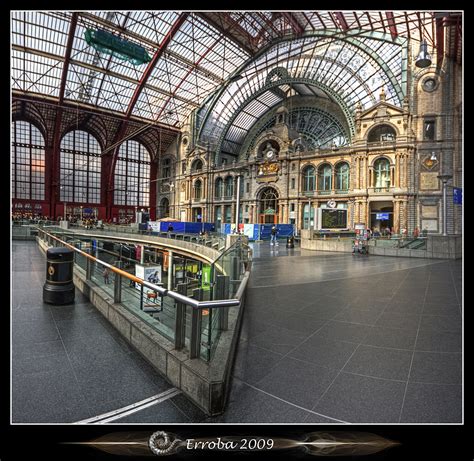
(68, 362)
(326, 338)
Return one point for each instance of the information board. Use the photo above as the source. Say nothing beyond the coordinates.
(332, 218)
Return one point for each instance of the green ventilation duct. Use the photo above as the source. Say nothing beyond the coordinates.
(106, 42)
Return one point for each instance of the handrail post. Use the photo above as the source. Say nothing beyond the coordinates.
(196, 320)
(222, 290)
(117, 288)
(180, 326)
(88, 268)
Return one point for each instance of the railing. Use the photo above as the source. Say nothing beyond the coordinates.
(213, 240)
(192, 323)
(412, 243)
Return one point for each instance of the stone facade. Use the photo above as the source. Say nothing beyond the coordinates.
(415, 143)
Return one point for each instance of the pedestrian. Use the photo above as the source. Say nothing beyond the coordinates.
(170, 229)
(273, 235)
(416, 232)
(106, 275)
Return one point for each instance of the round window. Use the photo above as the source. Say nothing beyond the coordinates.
(430, 84)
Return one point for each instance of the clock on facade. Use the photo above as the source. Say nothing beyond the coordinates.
(270, 154)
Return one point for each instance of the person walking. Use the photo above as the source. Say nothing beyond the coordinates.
(273, 235)
(105, 274)
(170, 229)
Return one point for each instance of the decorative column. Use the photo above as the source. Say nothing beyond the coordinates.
(396, 216)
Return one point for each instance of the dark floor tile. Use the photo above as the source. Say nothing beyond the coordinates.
(319, 310)
(436, 367)
(343, 331)
(324, 352)
(25, 314)
(187, 407)
(39, 364)
(40, 349)
(278, 339)
(252, 363)
(407, 307)
(429, 340)
(391, 337)
(441, 308)
(365, 317)
(441, 323)
(359, 399)
(380, 363)
(399, 320)
(33, 332)
(248, 405)
(432, 403)
(297, 382)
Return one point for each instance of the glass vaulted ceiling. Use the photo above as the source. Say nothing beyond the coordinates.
(348, 70)
(196, 62)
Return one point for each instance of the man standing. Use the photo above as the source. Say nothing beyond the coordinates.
(274, 232)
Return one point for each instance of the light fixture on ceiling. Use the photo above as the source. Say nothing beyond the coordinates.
(424, 58)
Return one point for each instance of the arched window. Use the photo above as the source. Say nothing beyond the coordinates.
(164, 207)
(325, 178)
(309, 179)
(166, 168)
(80, 168)
(219, 188)
(382, 133)
(196, 166)
(342, 176)
(381, 174)
(28, 161)
(229, 187)
(132, 175)
(197, 189)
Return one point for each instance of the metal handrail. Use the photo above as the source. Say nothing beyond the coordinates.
(162, 291)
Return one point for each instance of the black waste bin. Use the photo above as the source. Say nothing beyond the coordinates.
(290, 242)
(59, 287)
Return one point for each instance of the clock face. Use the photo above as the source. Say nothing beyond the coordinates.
(270, 154)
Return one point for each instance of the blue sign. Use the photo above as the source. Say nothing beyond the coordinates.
(457, 195)
(382, 216)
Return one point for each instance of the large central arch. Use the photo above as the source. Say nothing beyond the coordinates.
(348, 69)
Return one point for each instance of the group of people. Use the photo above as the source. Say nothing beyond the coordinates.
(28, 215)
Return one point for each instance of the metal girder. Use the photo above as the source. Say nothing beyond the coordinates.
(391, 24)
(186, 76)
(55, 157)
(224, 23)
(439, 42)
(141, 39)
(53, 101)
(342, 20)
(67, 56)
(151, 65)
(297, 27)
(102, 71)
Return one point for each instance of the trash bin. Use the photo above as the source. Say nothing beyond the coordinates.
(290, 242)
(59, 287)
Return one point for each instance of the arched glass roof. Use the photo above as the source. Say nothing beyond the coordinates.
(195, 53)
(347, 70)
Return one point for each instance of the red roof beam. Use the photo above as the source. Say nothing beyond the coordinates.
(151, 65)
(439, 42)
(341, 20)
(67, 57)
(391, 24)
(296, 26)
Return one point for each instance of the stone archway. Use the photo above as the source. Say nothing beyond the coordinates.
(267, 207)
